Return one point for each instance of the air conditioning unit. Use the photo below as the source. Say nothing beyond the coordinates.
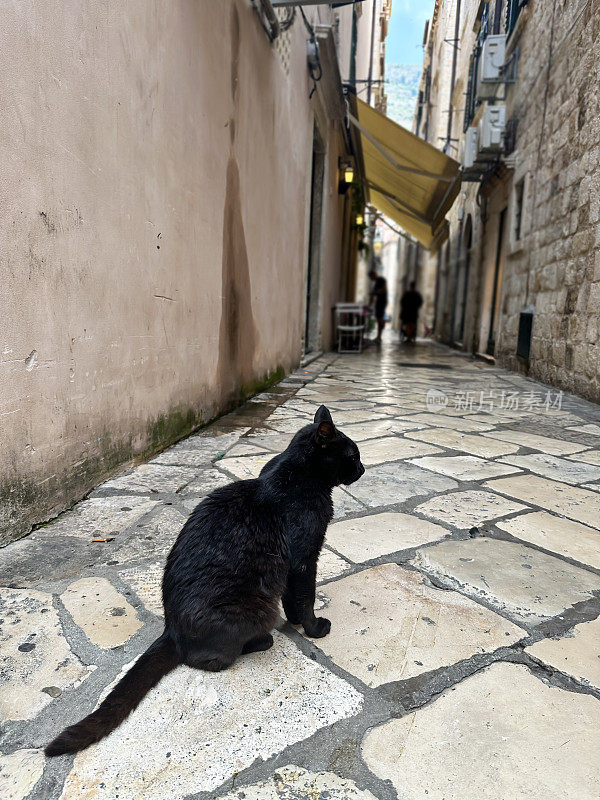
(470, 145)
(491, 129)
(491, 65)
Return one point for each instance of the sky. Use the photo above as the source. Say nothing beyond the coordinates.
(405, 37)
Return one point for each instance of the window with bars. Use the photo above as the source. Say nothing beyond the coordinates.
(470, 94)
(518, 210)
(471, 102)
(513, 9)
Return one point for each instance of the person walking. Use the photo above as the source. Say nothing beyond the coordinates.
(380, 294)
(410, 304)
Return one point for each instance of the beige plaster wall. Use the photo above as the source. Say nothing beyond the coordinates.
(154, 187)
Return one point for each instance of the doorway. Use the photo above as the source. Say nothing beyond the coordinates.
(498, 268)
(312, 331)
(462, 282)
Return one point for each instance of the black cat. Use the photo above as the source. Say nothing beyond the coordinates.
(244, 547)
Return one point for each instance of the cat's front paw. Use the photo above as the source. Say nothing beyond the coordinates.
(318, 629)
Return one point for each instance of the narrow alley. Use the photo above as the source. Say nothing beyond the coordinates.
(461, 575)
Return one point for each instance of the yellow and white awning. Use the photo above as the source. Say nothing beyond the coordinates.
(407, 179)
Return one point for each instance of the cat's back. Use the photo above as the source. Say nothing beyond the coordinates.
(226, 532)
(221, 515)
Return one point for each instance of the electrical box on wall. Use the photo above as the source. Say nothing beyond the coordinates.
(469, 147)
(491, 65)
(491, 129)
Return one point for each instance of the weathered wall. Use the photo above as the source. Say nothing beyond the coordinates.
(154, 187)
(557, 268)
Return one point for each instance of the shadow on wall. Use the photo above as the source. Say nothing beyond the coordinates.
(237, 331)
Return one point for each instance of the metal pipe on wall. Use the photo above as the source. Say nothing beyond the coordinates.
(453, 77)
(370, 79)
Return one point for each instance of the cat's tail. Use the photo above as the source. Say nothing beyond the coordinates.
(158, 660)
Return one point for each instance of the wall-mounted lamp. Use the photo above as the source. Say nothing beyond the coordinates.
(359, 219)
(346, 170)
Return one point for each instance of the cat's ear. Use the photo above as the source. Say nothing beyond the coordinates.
(326, 429)
(323, 415)
(325, 433)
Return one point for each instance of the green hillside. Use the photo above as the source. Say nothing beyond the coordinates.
(402, 89)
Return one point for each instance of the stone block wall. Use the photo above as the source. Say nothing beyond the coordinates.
(557, 270)
(554, 267)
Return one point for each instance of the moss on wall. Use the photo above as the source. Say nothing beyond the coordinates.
(28, 502)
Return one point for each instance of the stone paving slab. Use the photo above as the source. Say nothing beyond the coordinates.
(146, 582)
(100, 517)
(195, 729)
(454, 422)
(364, 538)
(498, 735)
(569, 501)
(392, 448)
(155, 539)
(577, 653)
(343, 418)
(276, 442)
(558, 469)
(282, 426)
(36, 663)
(244, 448)
(465, 468)
(388, 625)
(362, 431)
(387, 484)
(330, 566)
(152, 478)
(344, 504)
(481, 446)
(19, 773)
(247, 466)
(104, 615)
(205, 482)
(563, 536)
(554, 447)
(188, 457)
(295, 783)
(528, 585)
(39, 558)
(588, 457)
(593, 429)
(467, 509)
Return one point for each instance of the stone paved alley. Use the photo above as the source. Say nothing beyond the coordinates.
(461, 663)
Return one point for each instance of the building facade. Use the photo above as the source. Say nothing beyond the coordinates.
(173, 231)
(512, 89)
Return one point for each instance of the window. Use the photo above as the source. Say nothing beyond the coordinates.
(513, 9)
(518, 217)
(471, 101)
(520, 222)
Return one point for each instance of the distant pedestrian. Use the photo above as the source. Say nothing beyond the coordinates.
(380, 294)
(410, 304)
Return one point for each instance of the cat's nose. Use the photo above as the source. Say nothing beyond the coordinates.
(362, 470)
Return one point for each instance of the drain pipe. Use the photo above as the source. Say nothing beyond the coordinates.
(453, 78)
(370, 79)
